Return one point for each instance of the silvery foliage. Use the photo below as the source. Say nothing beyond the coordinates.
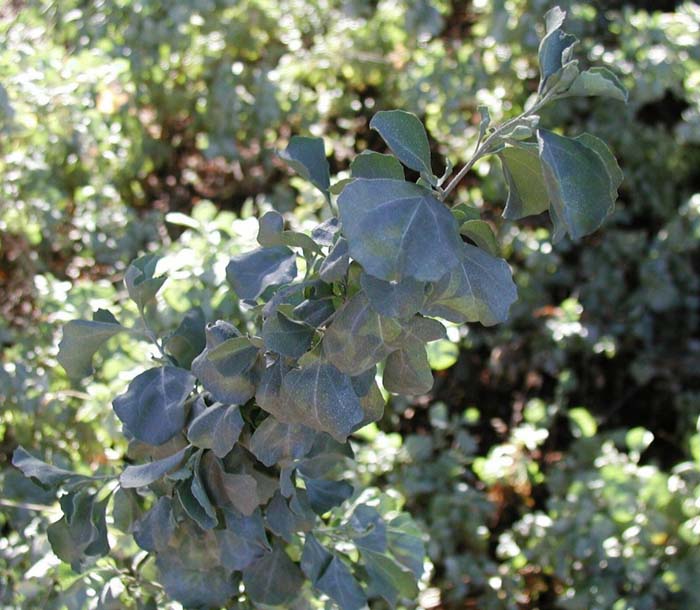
(243, 437)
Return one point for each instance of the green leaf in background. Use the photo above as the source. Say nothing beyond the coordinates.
(325, 399)
(527, 192)
(188, 340)
(398, 229)
(597, 81)
(81, 339)
(479, 289)
(555, 47)
(481, 233)
(307, 156)
(252, 272)
(582, 185)
(274, 441)
(394, 299)
(140, 280)
(407, 371)
(287, 337)
(217, 428)
(406, 136)
(225, 367)
(273, 579)
(374, 165)
(583, 423)
(153, 407)
(442, 354)
(145, 474)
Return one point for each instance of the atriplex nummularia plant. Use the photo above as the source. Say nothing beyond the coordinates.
(243, 436)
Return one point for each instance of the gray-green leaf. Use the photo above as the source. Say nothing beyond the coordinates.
(553, 46)
(406, 136)
(527, 193)
(335, 265)
(407, 371)
(359, 337)
(145, 474)
(226, 367)
(479, 289)
(253, 272)
(273, 579)
(307, 156)
(324, 398)
(579, 181)
(274, 441)
(188, 339)
(398, 229)
(140, 282)
(285, 336)
(217, 427)
(394, 299)
(153, 407)
(598, 81)
(338, 583)
(373, 165)
(81, 339)
(40, 472)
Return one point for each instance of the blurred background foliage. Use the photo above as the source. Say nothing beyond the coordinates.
(556, 464)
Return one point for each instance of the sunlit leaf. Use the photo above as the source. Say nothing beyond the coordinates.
(479, 289)
(598, 81)
(527, 192)
(373, 165)
(398, 230)
(579, 182)
(406, 136)
(81, 339)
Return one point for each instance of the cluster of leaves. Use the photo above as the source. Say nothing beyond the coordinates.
(244, 434)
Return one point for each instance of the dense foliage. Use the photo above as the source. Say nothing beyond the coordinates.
(148, 132)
